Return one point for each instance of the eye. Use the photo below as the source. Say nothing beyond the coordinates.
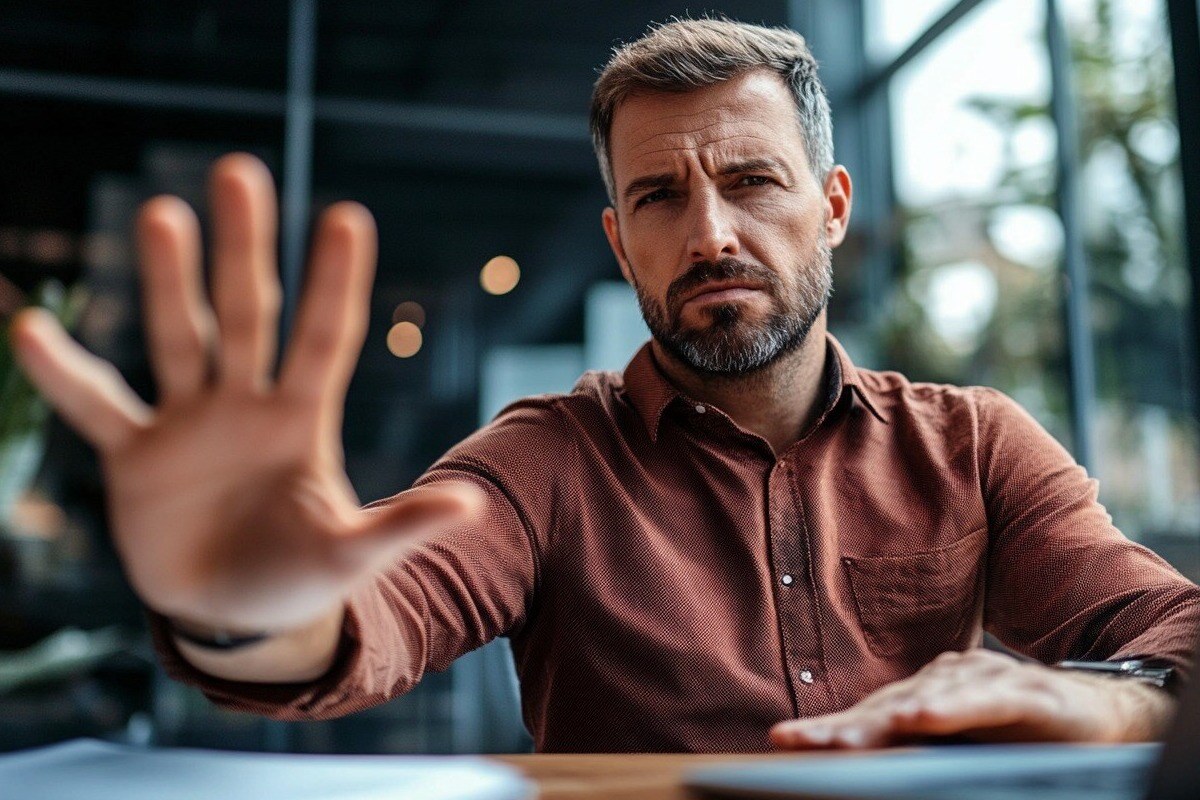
(754, 180)
(652, 197)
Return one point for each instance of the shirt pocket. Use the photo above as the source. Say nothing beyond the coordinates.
(914, 606)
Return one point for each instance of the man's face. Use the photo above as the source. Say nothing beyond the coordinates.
(719, 223)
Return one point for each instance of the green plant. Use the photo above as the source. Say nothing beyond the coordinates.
(23, 413)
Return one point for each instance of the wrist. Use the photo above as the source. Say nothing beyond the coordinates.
(293, 655)
(1134, 711)
(214, 638)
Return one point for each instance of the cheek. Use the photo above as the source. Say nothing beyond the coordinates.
(780, 234)
(652, 256)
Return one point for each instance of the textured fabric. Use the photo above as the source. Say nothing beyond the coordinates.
(669, 584)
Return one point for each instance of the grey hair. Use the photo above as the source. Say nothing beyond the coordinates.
(688, 54)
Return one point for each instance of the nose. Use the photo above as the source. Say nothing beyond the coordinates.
(711, 233)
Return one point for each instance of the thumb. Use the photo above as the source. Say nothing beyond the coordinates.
(387, 528)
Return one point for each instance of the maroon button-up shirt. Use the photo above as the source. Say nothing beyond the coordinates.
(671, 584)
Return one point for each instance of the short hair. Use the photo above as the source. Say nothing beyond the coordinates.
(688, 54)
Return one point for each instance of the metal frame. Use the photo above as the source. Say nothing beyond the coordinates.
(141, 93)
(533, 125)
(862, 130)
(1081, 359)
(1183, 17)
(884, 74)
(297, 154)
(872, 97)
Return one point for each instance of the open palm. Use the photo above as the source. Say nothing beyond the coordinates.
(229, 502)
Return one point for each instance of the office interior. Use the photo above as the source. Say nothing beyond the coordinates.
(1026, 216)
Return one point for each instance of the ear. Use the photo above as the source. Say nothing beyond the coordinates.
(837, 204)
(612, 231)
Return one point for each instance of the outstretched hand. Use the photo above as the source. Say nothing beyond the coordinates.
(987, 697)
(228, 501)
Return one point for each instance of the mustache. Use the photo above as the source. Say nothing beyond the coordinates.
(724, 269)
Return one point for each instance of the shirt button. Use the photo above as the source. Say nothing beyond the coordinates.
(700, 409)
(806, 676)
(786, 580)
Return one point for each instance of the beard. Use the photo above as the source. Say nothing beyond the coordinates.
(730, 344)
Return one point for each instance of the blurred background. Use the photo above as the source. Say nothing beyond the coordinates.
(1027, 216)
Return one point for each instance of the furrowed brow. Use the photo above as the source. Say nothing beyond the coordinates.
(639, 185)
(754, 165)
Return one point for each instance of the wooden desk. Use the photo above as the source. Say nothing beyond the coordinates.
(615, 777)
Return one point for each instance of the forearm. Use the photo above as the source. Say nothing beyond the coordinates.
(300, 655)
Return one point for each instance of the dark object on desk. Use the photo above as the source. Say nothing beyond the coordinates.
(978, 772)
(984, 772)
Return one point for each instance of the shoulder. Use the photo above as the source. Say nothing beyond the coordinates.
(897, 396)
(943, 412)
(999, 431)
(540, 430)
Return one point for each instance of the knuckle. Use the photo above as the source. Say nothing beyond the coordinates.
(948, 659)
(174, 346)
(320, 342)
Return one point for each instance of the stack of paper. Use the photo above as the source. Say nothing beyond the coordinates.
(87, 768)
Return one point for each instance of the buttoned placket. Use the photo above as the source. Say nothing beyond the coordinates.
(796, 604)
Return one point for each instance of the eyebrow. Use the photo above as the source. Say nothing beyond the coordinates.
(662, 179)
(648, 182)
(754, 165)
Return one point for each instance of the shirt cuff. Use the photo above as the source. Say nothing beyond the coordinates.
(329, 695)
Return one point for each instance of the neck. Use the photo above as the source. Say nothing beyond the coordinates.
(777, 402)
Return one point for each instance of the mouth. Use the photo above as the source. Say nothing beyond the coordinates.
(723, 292)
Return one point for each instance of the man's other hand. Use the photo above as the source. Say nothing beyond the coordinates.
(988, 697)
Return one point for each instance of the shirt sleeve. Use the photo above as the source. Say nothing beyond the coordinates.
(1062, 581)
(453, 592)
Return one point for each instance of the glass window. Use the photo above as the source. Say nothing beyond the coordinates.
(1132, 215)
(976, 296)
(893, 26)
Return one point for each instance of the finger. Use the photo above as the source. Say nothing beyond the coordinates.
(246, 291)
(984, 708)
(869, 723)
(383, 531)
(955, 693)
(179, 321)
(331, 324)
(87, 391)
(813, 732)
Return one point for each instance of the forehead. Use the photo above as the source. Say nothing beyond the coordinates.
(752, 114)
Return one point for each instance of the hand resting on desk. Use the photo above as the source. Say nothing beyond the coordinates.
(988, 697)
(229, 503)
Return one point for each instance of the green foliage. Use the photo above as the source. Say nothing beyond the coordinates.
(22, 410)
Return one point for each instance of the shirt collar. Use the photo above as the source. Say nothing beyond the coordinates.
(852, 378)
(650, 392)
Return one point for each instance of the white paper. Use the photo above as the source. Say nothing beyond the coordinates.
(95, 770)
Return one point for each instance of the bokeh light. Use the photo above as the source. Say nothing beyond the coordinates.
(404, 339)
(409, 311)
(500, 275)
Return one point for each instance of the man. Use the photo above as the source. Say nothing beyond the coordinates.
(742, 541)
